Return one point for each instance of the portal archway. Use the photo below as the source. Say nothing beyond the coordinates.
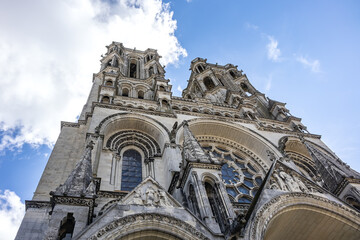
(300, 216)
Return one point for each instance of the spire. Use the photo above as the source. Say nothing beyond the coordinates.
(193, 152)
(79, 183)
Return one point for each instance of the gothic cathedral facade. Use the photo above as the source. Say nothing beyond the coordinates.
(221, 162)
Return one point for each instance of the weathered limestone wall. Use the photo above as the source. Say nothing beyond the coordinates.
(66, 153)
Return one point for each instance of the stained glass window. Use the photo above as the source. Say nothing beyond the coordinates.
(131, 170)
(229, 174)
(231, 191)
(243, 190)
(241, 178)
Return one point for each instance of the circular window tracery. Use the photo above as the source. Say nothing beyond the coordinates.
(240, 175)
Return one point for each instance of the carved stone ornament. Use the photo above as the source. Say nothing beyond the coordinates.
(288, 180)
(37, 204)
(150, 193)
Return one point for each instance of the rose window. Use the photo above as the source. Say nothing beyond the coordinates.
(240, 175)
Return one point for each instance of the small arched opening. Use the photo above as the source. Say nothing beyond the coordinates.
(133, 68)
(151, 71)
(109, 83)
(209, 84)
(245, 88)
(125, 92)
(67, 227)
(353, 202)
(105, 99)
(165, 104)
(141, 94)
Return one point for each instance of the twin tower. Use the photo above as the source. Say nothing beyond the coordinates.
(221, 162)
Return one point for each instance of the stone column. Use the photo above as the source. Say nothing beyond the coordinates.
(97, 155)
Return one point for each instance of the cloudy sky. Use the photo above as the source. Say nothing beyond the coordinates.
(304, 53)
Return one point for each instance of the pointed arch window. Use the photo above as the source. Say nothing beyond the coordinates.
(151, 71)
(193, 201)
(131, 174)
(209, 84)
(67, 227)
(217, 206)
(133, 70)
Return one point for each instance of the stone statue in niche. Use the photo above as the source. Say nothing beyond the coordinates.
(286, 182)
(289, 181)
(302, 186)
(280, 182)
(274, 185)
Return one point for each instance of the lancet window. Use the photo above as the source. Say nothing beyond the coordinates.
(193, 201)
(133, 70)
(131, 174)
(217, 206)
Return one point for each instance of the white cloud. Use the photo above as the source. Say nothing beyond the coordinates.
(251, 26)
(49, 50)
(179, 89)
(273, 51)
(314, 65)
(12, 211)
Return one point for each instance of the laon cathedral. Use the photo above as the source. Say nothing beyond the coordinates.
(221, 162)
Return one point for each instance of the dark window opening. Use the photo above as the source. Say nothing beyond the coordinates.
(125, 92)
(67, 227)
(165, 104)
(209, 84)
(161, 88)
(217, 207)
(200, 68)
(141, 94)
(245, 88)
(151, 71)
(109, 83)
(105, 99)
(193, 201)
(133, 70)
(131, 174)
(232, 74)
(352, 201)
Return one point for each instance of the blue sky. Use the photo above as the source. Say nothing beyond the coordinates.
(304, 53)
